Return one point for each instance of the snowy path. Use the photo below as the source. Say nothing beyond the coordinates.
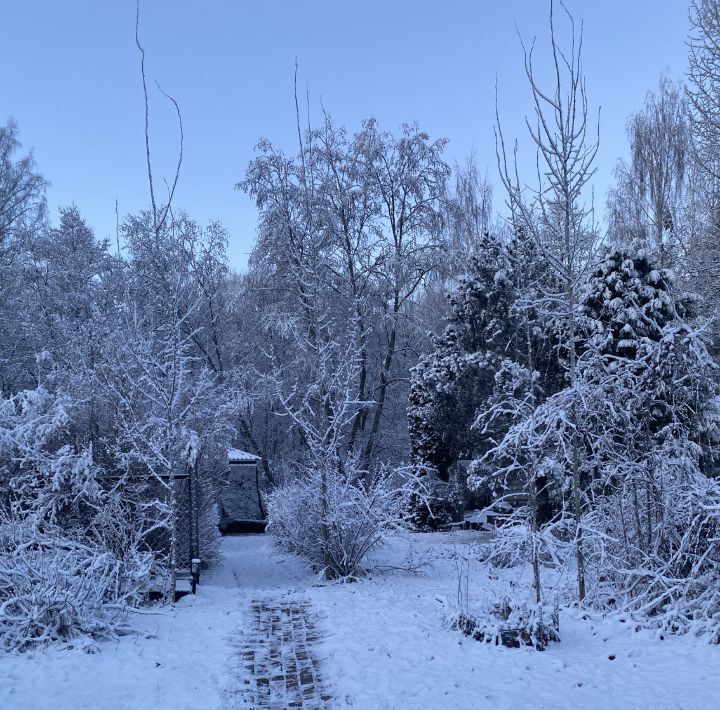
(276, 663)
(257, 567)
(278, 659)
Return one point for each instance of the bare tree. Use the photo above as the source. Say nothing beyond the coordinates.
(22, 190)
(704, 79)
(645, 203)
(160, 212)
(554, 212)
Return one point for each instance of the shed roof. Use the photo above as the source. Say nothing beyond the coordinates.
(238, 456)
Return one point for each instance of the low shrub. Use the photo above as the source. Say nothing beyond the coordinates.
(335, 518)
(53, 588)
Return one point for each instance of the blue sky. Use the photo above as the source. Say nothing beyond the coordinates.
(69, 75)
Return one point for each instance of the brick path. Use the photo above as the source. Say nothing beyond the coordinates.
(279, 667)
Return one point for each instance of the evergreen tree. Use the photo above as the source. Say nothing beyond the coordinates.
(449, 384)
(636, 324)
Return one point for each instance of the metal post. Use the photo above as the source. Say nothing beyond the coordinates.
(195, 513)
(195, 570)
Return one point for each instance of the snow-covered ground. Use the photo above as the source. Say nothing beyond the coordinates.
(178, 659)
(389, 648)
(385, 645)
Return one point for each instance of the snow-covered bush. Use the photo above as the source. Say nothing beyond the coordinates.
(54, 588)
(87, 526)
(47, 472)
(334, 518)
(516, 626)
(516, 543)
(663, 567)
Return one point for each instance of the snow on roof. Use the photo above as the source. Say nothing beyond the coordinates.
(238, 456)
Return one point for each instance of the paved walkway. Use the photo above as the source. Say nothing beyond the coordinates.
(280, 668)
(275, 664)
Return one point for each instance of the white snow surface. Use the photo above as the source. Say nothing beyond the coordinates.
(240, 456)
(386, 645)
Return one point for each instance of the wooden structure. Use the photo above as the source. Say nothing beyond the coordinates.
(241, 504)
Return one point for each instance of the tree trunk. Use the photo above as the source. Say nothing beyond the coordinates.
(577, 498)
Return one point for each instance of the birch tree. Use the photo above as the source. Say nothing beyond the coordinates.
(22, 215)
(647, 200)
(349, 233)
(704, 85)
(22, 191)
(703, 95)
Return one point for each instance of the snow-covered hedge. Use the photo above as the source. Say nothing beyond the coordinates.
(54, 588)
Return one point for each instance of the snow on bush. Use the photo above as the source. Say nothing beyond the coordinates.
(334, 518)
(659, 561)
(53, 588)
(508, 620)
(664, 568)
(516, 543)
(513, 625)
(330, 508)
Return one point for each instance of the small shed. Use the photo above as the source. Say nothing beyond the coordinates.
(241, 505)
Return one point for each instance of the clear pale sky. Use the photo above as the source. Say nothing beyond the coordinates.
(69, 75)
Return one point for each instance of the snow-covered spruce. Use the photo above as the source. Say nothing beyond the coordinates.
(496, 336)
